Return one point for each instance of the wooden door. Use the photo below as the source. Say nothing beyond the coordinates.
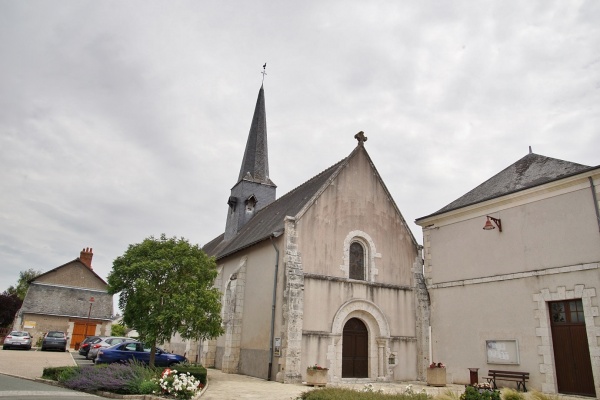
(79, 332)
(355, 350)
(571, 351)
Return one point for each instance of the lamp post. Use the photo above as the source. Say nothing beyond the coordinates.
(88, 318)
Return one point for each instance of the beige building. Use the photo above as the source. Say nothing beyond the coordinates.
(71, 298)
(328, 274)
(522, 293)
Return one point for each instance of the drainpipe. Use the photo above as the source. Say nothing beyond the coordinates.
(273, 235)
(595, 201)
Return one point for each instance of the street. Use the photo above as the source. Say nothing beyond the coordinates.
(18, 368)
(18, 388)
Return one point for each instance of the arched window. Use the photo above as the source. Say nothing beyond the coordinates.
(357, 261)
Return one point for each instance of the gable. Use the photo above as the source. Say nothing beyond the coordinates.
(355, 202)
(73, 273)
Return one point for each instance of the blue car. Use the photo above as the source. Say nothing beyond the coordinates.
(135, 350)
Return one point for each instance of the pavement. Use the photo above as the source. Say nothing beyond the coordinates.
(30, 365)
(223, 386)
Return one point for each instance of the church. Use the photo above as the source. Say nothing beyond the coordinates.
(328, 274)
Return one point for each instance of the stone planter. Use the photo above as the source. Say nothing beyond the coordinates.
(316, 377)
(436, 376)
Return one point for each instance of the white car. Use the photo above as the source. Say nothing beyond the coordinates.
(17, 339)
(105, 342)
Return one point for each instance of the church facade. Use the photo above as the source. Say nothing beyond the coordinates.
(328, 274)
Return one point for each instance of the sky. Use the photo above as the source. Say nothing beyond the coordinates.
(125, 119)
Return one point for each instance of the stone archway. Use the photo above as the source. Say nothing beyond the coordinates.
(378, 334)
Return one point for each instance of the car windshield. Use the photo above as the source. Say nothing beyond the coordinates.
(56, 334)
(15, 333)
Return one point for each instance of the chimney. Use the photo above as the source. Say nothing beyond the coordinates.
(86, 257)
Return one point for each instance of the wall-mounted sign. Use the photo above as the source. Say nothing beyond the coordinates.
(28, 324)
(277, 350)
(502, 351)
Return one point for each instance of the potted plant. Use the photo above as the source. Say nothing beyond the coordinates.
(316, 375)
(436, 374)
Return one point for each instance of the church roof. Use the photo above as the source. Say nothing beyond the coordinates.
(255, 164)
(271, 218)
(530, 171)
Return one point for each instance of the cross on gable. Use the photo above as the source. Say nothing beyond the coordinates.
(360, 136)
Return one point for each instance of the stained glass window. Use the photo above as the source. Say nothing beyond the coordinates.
(357, 261)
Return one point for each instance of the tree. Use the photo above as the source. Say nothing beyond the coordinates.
(23, 283)
(118, 330)
(9, 305)
(166, 288)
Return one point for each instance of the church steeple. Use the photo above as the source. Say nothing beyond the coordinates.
(255, 165)
(254, 189)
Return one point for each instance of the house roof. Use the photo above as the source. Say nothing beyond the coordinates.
(530, 171)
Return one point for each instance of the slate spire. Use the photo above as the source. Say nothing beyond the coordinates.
(253, 190)
(255, 165)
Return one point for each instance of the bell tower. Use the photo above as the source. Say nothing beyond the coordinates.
(253, 190)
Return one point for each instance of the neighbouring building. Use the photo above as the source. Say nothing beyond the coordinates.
(522, 293)
(70, 298)
(328, 274)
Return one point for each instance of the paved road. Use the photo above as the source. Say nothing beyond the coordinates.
(12, 388)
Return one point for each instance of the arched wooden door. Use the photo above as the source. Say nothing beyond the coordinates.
(355, 350)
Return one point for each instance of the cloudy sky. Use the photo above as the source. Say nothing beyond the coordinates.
(125, 119)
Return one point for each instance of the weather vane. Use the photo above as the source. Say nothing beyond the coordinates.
(264, 72)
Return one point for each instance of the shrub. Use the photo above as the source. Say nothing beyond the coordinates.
(52, 373)
(179, 385)
(196, 370)
(349, 394)
(472, 393)
(535, 395)
(67, 373)
(144, 379)
(511, 394)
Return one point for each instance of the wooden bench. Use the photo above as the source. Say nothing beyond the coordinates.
(515, 376)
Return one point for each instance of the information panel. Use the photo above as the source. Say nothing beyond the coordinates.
(502, 351)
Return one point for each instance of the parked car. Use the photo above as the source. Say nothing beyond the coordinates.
(55, 340)
(84, 347)
(17, 339)
(135, 350)
(104, 342)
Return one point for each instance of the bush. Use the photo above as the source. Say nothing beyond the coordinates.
(349, 394)
(128, 378)
(52, 373)
(196, 370)
(472, 393)
(511, 394)
(67, 374)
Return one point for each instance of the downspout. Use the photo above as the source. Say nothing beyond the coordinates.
(595, 201)
(274, 234)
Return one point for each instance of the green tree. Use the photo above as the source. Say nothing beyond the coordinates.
(118, 330)
(23, 283)
(166, 287)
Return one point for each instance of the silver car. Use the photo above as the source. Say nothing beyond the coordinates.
(105, 342)
(17, 339)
